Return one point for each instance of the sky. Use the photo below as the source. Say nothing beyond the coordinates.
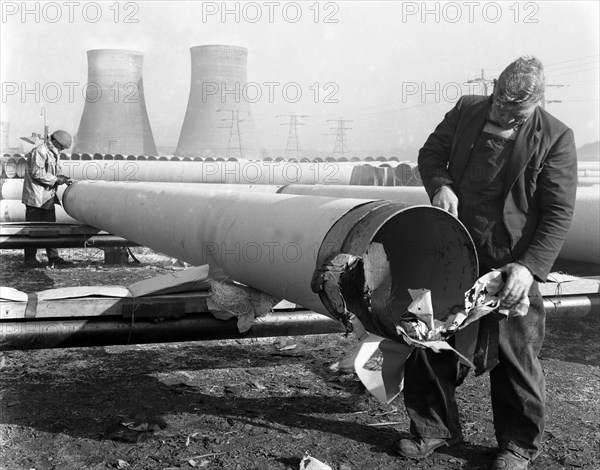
(392, 69)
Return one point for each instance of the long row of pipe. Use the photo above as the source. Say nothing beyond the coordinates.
(246, 172)
(589, 168)
(106, 331)
(389, 173)
(196, 158)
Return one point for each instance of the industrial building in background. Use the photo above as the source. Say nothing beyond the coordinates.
(114, 118)
(217, 92)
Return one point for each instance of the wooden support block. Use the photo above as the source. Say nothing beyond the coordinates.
(115, 255)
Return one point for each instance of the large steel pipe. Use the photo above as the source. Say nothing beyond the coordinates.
(583, 240)
(276, 242)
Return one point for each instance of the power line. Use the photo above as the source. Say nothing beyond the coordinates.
(234, 132)
(571, 60)
(293, 140)
(572, 66)
(575, 71)
(339, 147)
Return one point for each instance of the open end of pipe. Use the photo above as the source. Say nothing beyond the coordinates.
(423, 248)
(386, 253)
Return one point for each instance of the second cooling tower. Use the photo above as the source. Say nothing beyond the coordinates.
(114, 118)
(218, 121)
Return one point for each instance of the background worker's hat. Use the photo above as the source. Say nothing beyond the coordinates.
(63, 138)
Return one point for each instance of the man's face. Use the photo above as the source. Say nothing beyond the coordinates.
(510, 115)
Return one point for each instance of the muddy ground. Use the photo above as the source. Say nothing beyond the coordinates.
(250, 404)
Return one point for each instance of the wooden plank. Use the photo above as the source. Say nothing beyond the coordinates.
(172, 306)
(36, 228)
(579, 286)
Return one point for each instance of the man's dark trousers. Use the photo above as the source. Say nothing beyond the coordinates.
(517, 384)
(37, 214)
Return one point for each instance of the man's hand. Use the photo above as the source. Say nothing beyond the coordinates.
(516, 286)
(446, 199)
(62, 179)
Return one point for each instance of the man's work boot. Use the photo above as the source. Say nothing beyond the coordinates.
(421, 447)
(33, 263)
(59, 262)
(508, 460)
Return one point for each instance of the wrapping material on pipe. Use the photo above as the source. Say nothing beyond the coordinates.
(210, 172)
(583, 240)
(14, 211)
(277, 243)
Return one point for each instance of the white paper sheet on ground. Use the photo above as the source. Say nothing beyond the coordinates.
(310, 463)
(83, 291)
(385, 385)
(12, 295)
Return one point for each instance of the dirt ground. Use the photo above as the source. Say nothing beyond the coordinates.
(250, 404)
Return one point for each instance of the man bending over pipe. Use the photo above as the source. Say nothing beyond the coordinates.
(508, 170)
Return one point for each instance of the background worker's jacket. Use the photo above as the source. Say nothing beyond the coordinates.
(39, 184)
(540, 182)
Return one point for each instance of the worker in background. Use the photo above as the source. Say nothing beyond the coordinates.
(39, 191)
(508, 170)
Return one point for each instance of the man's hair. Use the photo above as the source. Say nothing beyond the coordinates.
(521, 82)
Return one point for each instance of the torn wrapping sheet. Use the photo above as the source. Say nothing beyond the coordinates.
(230, 300)
(425, 332)
(386, 384)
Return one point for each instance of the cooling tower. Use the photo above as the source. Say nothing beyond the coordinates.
(114, 118)
(218, 115)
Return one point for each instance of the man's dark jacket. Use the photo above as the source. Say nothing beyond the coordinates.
(540, 184)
